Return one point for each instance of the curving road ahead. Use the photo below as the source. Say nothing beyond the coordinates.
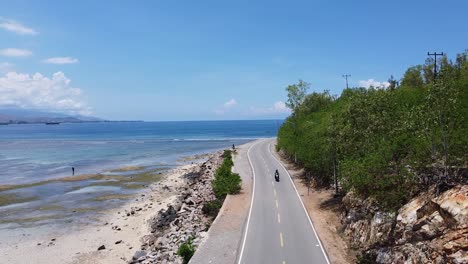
(278, 229)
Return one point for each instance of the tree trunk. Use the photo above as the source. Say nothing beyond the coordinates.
(334, 175)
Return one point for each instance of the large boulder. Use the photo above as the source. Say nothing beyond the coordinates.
(163, 219)
(380, 227)
(453, 205)
(425, 217)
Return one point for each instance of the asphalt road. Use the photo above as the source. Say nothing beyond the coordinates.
(278, 229)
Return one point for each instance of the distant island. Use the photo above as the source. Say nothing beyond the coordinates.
(26, 116)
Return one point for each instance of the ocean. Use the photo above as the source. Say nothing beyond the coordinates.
(36, 161)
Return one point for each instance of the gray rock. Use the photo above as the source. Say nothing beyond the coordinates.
(139, 254)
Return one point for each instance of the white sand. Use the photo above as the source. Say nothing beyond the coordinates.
(79, 244)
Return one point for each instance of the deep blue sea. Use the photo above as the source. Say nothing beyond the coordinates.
(33, 154)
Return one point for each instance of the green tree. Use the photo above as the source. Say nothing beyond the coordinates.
(296, 94)
(428, 71)
(393, 83)
(385, 143)
(315, 102)
(413, 78)
(442, 120)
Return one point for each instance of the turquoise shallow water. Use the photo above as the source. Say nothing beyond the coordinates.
(33, 156)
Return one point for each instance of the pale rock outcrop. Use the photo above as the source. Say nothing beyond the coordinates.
(428, 229)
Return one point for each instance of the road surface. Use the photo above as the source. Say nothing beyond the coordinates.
(278, 229)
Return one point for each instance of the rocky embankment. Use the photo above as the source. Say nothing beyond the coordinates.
(428, 229)
(183, 219)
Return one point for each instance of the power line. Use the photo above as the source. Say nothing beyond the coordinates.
(435, 54)
(346, 77)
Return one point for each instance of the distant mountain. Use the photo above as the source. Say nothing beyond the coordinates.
(17, 115)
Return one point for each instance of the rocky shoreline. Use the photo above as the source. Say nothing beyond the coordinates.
(182, 219)
(147, 229)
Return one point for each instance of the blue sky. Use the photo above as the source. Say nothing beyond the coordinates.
(203, 60)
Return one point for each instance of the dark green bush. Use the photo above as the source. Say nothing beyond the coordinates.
(227, 154)
(225, 181)
(226, 184)
(186, 251)
(211, 208)
(366, 258)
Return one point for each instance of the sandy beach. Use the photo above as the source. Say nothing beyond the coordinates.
(119, 230)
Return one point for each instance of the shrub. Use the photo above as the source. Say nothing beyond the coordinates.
(186, 251)
(226, 182)
(227, 154)
(211, 208)
(366, 258)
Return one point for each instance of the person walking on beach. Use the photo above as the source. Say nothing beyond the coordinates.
(73, 171)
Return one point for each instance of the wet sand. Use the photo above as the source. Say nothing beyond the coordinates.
(119, 230)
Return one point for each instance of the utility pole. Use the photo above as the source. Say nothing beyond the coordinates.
(435, 54)
(346, 77)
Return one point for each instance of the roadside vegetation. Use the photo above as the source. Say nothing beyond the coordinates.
(186, 250)
(386, 143)
(225, 182)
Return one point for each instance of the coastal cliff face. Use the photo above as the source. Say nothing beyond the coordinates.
(428, 229)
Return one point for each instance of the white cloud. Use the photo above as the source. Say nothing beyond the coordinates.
(280, 107)
(5, 67)
(227, 105)
(277, 108)
(12, 52)
(371, 82)
(40, 92)
(61, 60)
(230, 103)
(13, 26)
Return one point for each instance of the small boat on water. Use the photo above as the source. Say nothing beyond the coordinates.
(52, 123)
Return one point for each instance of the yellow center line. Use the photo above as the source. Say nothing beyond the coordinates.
(279, 218)
(281, 239)
(274, 191)
(277, 206)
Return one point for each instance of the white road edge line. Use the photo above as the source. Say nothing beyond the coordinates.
(303, 206)
(251, 202)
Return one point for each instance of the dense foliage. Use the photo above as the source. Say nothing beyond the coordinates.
(225, 182)
(386, 143)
